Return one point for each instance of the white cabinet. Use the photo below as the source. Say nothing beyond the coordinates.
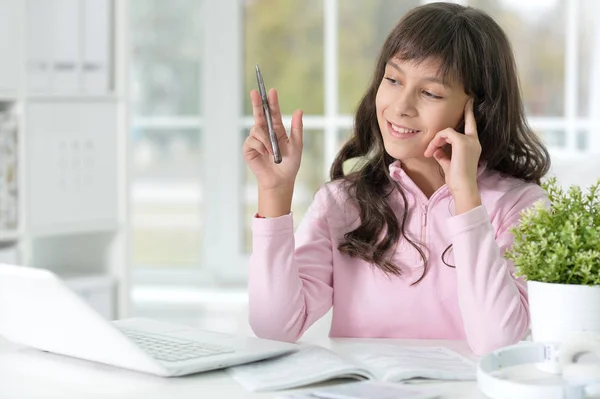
(10, 47)
(96, 59)
(69, 46)
(71, 168)
(62, 155)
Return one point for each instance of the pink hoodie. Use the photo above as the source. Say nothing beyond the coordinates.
(294, 281)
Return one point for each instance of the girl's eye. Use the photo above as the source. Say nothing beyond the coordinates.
(391, 80)
(431, 95)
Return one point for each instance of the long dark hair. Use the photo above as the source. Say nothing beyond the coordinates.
(473, 50)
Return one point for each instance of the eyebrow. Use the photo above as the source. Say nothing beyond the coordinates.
(433, 79)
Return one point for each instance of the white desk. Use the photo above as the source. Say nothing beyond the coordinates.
(28, 373)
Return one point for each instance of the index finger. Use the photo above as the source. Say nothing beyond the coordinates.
(257, 109)
(470, 123)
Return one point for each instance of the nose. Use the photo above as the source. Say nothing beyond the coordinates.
(405, 104)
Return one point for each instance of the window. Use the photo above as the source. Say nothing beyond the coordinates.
(166, 134)
(193, 66)
(541, 66)
(362, 28)
(558, 70)
(286, 40)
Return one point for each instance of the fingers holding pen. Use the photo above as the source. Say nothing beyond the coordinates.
(259, 134)
(259, 116)
(257, 109)
(253, 146)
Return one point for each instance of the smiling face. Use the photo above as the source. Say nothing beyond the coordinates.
(413, 104)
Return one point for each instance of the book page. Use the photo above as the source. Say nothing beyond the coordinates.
(391, 362)
(309, 365)
(363, 390)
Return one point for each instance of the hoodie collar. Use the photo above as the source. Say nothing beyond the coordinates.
(399, 175)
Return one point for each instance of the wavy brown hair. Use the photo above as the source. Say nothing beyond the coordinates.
(473, 50)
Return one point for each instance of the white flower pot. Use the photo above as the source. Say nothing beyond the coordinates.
(560, 310)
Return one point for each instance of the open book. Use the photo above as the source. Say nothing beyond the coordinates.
(379, 362)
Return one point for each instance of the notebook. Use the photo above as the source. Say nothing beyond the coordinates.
(369, 361)
(363, 390)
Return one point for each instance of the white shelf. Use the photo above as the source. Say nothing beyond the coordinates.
(8, 97)
(10, 235)
(86, 280)
(74, 228)
(94, 98)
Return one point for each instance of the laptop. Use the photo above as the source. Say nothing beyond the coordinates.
(38, 310)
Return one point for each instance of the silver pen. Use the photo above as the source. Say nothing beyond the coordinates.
(265, 104)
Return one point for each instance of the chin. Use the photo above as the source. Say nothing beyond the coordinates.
(400, 153)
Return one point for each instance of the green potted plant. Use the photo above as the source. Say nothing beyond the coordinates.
(557, 250)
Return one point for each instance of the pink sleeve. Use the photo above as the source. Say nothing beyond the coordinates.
(492, 301)
(290, 278)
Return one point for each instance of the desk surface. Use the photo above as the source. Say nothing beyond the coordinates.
(28, 373)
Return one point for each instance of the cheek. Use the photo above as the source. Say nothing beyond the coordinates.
(439, 118)
(456, 114)
(379, 101)
(385, 97)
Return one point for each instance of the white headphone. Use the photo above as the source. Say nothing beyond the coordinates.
(580, 380)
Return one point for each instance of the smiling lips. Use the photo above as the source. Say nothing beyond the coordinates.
(401, 132)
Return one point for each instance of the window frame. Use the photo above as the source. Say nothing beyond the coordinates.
(224, 261)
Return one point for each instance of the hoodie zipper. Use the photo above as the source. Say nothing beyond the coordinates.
(424, 226)
(424, 210)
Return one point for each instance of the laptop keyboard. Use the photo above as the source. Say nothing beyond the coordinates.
(171, 349)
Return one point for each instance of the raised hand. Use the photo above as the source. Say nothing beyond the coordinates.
(275, 181)
(460, 167)
(257, 149)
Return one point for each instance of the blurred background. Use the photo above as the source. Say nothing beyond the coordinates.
(179, 74)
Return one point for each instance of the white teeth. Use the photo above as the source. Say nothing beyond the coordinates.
(402, 130)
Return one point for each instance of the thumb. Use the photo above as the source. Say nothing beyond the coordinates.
(296, 132)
